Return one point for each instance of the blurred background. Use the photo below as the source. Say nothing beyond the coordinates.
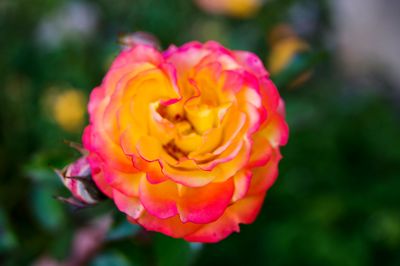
(337, 66)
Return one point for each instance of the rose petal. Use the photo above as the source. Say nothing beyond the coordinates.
(128, 205)
(277, 131)
(243, 211)
(205, 204)
(265, 176)
(149, 148)
(251, 62)
(242, 181)
(191, 178)
(171, 226)
(126, 183)
(261, 151)
(230, 168)
(138, 53)
(159, 199)
(98, 175)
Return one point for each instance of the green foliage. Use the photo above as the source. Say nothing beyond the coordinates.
(111, 259)
(7, 237)
(171, 251)
(122, 229)
(46, 209)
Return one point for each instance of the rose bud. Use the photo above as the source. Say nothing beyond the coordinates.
(77, 178)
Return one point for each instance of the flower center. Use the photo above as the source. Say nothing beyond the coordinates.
(190, 122)
(174, 151)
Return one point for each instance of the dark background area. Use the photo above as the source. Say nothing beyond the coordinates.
(336, 201)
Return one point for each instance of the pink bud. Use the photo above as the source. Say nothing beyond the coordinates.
(77, 178)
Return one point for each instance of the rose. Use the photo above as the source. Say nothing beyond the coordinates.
(186, 142)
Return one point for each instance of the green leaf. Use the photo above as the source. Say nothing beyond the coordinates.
(46, 209)
(122, 230)
(170, 251)
(8, 240)
(111, 258)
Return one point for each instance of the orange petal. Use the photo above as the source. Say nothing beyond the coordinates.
(229, 154)
(191, 178)
(96, 142)
(242, 181)
(243, 211)
(230, 168)
(119, 95)
(261, 151)
(149, 148)
(210, 141)
(159, 199)
(232, 126)
(277, 131)
(159, 127)
(126, 183)
(188, 143)
(171, 226)
(205, 204)
(128, 205)
(152, 169)
(265, 176)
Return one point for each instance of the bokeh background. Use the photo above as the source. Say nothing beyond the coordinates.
(337, 66)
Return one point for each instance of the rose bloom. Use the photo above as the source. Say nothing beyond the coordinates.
(186, 142)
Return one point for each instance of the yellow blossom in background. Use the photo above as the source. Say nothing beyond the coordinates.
(285, 46)
(234, 8)
(67, 108)
(243, 8)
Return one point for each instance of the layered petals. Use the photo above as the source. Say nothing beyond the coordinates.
(205, 204)
(242, 212)
(186, 142)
